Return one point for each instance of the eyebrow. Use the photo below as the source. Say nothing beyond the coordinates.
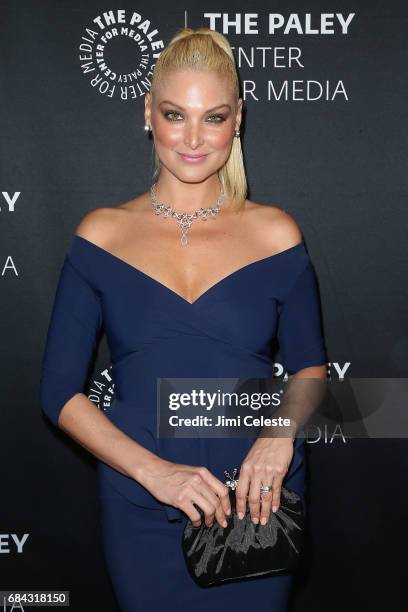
(209, 110)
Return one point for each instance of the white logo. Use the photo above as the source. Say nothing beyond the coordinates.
(102, 389)
(118, 53)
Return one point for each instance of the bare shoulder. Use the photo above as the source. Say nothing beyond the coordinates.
(274, 226)
(102, 225)
(98, 225)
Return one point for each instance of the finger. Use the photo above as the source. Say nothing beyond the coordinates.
(192, 513)
(266, 502)
(215, 502)
(241, 492)
(225, 500)
(254, 498)
(207, 507)
(220, 514)
(218, 487)
(276, 492)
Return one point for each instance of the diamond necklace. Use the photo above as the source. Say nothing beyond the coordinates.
(184, 219)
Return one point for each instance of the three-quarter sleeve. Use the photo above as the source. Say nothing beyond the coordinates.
(76, 318)
(300, 335)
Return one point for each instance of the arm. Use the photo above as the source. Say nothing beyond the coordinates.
(304, 394)
(75, 323)
(303, 351)
(304, 357)
(89, 426)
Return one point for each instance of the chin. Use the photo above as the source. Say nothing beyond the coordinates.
(190, 175)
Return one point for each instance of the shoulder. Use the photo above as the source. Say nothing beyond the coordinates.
(98, 225)
(274, 226)
(102, 225)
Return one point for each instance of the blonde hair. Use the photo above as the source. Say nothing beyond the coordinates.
(207, 50)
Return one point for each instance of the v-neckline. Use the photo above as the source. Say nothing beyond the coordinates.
(172, 291)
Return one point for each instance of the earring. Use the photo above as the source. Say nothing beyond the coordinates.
(147, 127)
(237, 133)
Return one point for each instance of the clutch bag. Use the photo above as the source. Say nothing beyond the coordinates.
(242, 549)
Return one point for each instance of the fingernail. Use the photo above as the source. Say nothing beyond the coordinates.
(240, 515)
(224, 524)
(263, 520)
(274, 508)
(256, 520)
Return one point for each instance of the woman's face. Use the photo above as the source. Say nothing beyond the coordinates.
(193, 117)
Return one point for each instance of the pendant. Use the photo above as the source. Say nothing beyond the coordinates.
(185, 220)
(183, 240)
(184, 223)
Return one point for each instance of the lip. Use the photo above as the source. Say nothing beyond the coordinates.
(193, 159)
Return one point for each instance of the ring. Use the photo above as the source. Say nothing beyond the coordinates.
(265, 489)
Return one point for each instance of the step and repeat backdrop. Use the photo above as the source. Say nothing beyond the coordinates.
(324, 137)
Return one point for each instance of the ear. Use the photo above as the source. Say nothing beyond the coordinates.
(147, 112)
(238, 116)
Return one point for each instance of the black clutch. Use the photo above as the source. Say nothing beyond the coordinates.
(242, 549)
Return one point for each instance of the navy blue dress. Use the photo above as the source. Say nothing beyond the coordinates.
(154, 332)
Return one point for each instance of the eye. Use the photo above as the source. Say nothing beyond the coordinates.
(214, 118)
(171, 113)
(219, 118)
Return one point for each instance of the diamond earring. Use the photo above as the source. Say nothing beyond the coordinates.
(147, 127)
(237, 133)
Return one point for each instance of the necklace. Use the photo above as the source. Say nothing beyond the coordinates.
(184, 219)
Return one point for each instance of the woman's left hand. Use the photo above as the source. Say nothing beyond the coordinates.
(266, 464)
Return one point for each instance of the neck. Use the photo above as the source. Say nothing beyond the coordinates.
(187, 197)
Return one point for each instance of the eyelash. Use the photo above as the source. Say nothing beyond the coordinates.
(220, 117)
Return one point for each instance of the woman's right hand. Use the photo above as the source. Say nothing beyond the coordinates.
(182, 486)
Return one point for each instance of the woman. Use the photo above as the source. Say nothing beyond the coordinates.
(182, 300)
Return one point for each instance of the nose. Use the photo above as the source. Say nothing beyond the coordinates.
(193, 136)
